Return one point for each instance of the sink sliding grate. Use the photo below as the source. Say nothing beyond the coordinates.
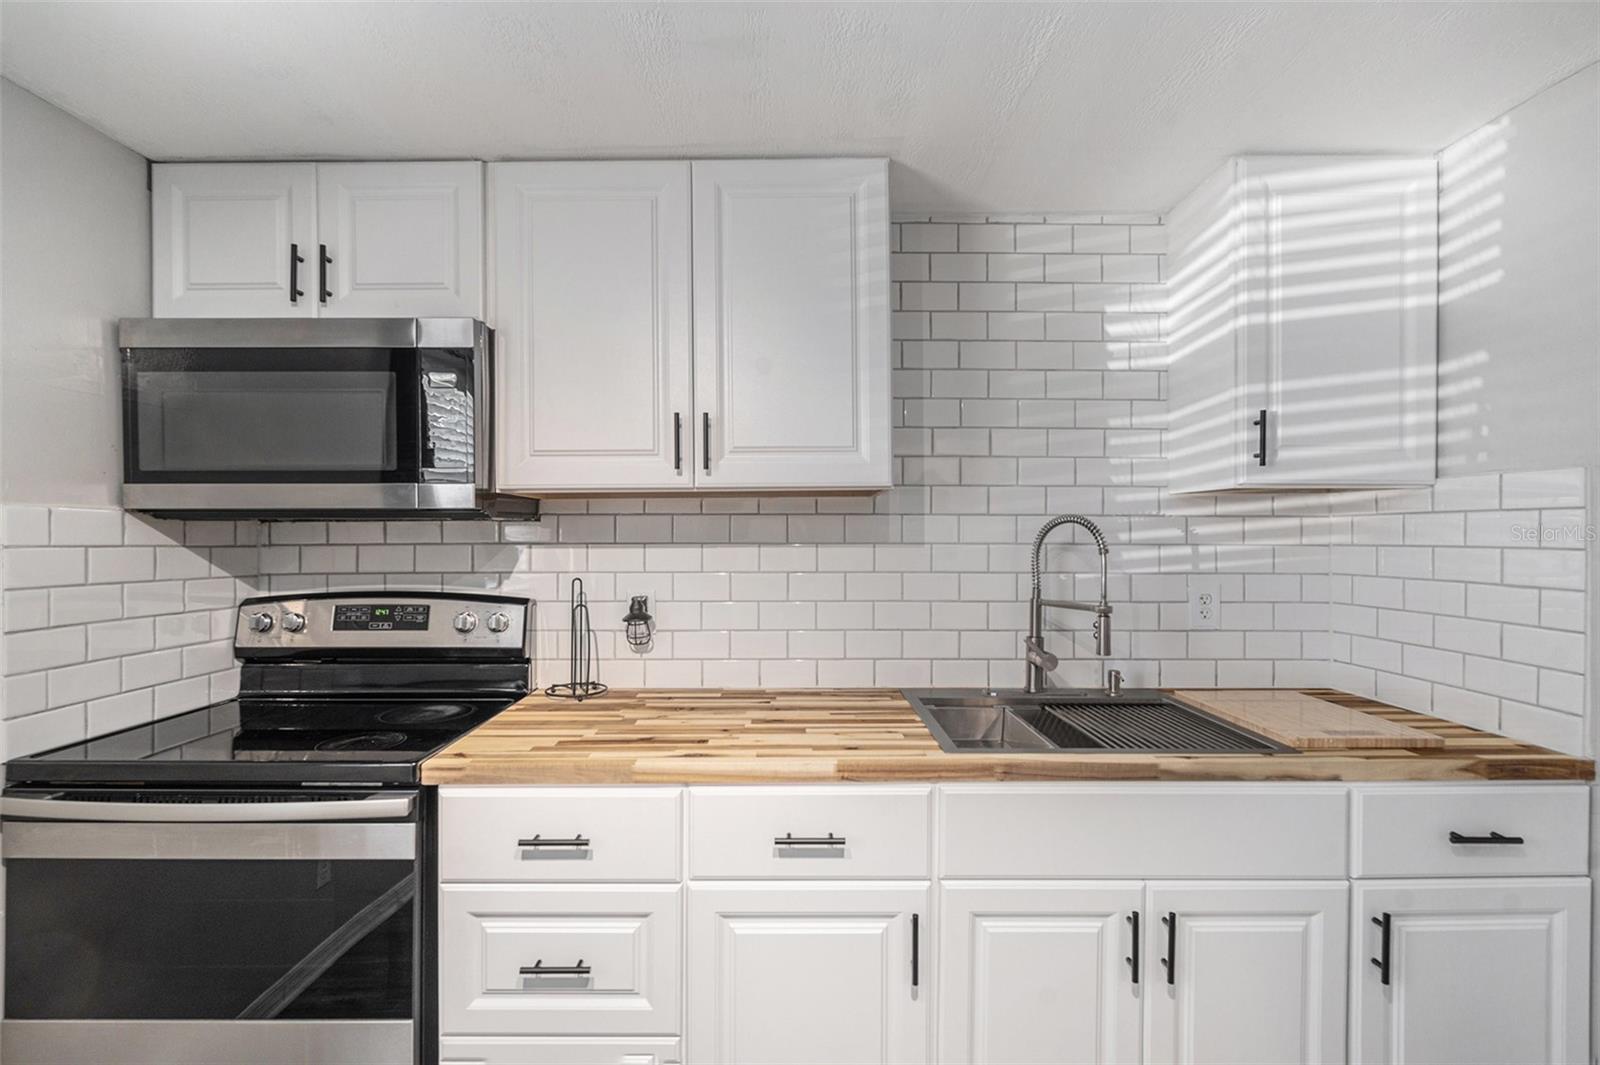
(1135, 726)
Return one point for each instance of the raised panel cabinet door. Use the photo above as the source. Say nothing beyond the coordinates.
(1245, 972)
(1040, 973)
(233, 240)
(546, 959)
(1340, 300)
(1458, 972)
(826, 974)
(592, 317)
(399, 240)
(791, 304)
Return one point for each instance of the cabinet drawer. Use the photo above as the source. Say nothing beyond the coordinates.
(1143, 831)
(741, 832)
(611, 834)
(613, 952)
(572, 1050)
(1406, 830)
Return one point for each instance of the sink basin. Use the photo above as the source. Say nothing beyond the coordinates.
(1135, 721)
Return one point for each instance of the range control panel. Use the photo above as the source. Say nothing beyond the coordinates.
(421, 622)
(385, 617)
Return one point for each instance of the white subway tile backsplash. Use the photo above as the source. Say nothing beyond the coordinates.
(1029, 380)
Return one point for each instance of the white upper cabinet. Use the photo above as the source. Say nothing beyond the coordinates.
(592, 311)
(233, 240)
(791, 309)
(1470, 972)
(784, 288)
(305, 240)
(1302, 305)
(400, 239)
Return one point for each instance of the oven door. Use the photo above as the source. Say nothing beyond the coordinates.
(252, 939)
(223, 419)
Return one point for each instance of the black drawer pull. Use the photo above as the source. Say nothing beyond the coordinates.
(540, 841)
(1171, 960)
(677, 442)
(539, 968)
(1493, 837)
(789, 839)
(1133, 959)
(705, 441)
(1260, 422)
(1382, 960)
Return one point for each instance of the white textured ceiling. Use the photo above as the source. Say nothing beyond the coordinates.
(982, 106)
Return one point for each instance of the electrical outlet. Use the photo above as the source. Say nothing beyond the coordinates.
(1205, 606)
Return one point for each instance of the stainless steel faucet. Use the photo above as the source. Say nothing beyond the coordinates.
(1041, 661)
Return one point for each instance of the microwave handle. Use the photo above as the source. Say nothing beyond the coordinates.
(367, 809)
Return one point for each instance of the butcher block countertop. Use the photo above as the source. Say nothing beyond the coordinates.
(751, 736)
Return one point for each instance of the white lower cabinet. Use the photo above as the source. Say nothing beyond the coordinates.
(1457, 972)
(1241, 972)
(817, 972)
(1040, 973)
(1014, 924)
(537, 959)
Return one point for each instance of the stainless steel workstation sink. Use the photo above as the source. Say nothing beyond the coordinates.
(1077, 722)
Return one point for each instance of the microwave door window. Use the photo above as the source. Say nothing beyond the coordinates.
(287, 422)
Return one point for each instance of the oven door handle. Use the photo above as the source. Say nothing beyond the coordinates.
(368, 809)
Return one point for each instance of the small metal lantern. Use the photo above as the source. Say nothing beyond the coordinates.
(639, 626)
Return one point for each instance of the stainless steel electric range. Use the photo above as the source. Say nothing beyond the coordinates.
(242, 883)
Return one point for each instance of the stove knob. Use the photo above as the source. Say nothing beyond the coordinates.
(261, 622)
(465, 621)
(499, 622)
(293, 622)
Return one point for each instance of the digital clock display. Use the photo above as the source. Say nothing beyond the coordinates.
(373, 617)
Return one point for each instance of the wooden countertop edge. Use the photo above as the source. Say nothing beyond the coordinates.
(531, 769)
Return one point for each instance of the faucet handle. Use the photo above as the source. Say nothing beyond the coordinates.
(1038, 656)
(1113, 682)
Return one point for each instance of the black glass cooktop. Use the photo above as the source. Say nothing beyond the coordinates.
(269, 741)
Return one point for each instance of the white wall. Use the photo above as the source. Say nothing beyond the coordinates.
(1519, 329)
(109, 619)
(75, 227)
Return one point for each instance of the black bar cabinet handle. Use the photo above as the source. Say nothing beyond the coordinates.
(1133, 959)
(677, 442)
(1260, 422)
(539, 968)
(295, 259)
(539, 841)
(1382, 960)
(1493, 837)
(705, 441)
(789, 839)
(324, 260)
(1170, 962)
(916, 951)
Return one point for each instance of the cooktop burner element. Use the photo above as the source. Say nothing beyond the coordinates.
(322, 703)
(363, 741)
(429, 714)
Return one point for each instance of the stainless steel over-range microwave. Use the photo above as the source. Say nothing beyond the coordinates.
(327, 417)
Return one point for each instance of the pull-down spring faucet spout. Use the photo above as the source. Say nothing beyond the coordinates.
(1041, 661)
